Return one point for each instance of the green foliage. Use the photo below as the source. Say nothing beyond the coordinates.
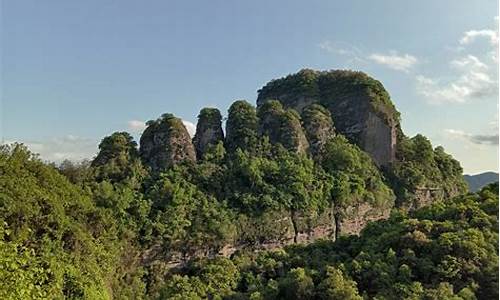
(447, 250)
(335, 286)
(318, 126)
(241, 127)
(186, 219)
(420, 168)
(54, 242)
(327, 87)
(355, 176)
(110, 229)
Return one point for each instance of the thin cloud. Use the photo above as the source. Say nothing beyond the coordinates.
(471, 84)
(58, 149)
(475, 76)
(191, 128)
(471, 35)
(479, 139)
(136, 126)
(353, 54)
(395, 61)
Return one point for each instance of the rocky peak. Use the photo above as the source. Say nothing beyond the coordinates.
(318, 126)
(241, 126)
(359, 105)
(119, 146)
(282, 126)
(208, 130)
(166, 142)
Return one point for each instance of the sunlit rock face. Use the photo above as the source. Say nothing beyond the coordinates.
(208, 130)
(359, 106)
(165, 143)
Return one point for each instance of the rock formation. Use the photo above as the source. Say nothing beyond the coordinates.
(165, 143)
(318, 126)
(120, 146)
(241, 126)
(118, 159)
(282, 126)
(359, 105)
(208, 130)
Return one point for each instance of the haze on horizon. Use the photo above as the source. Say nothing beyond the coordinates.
(73, 72)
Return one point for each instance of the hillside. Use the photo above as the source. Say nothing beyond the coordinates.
(478, 181)
(320, 160)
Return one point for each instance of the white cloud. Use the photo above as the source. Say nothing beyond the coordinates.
(470, 61)
(136, 126)
(478, 139)
(57, 149)
(395, 61)
(191, 128)
(471, 35)
(471, 84)
(473, 78)
(353, 54)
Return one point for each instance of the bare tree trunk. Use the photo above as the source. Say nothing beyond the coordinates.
(294, 225)
(338, 224)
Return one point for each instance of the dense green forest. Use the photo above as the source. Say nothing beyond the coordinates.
(78, 236)
(282, 205)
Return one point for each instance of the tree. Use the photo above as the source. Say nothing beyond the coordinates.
(336, 287)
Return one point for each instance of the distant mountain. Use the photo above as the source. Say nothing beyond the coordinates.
(476, 182)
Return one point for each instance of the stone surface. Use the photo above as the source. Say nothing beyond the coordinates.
(208, 130)
(165, 143)
(357, 216)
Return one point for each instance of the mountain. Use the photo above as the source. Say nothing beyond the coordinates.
(476, 182)
(320, 157)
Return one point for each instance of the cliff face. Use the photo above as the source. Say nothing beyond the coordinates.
(359, 106)
(208, 130)
(165, 143)
(321, 115)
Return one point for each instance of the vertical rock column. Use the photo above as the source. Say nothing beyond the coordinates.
(208, 130)
(165, 143)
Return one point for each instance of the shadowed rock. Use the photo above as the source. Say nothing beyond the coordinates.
(208, 130)
(165, 143)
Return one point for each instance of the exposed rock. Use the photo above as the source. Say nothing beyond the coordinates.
(208, 130)
(241, 126)
(165, 143)
(359, 105)
(357, 216)
(318, 126)
(282, 126)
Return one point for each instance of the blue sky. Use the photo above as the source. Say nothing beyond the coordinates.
(75, 71)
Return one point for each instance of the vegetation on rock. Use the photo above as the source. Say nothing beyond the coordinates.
(208, 130)
(166, 222)
(166, 142)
